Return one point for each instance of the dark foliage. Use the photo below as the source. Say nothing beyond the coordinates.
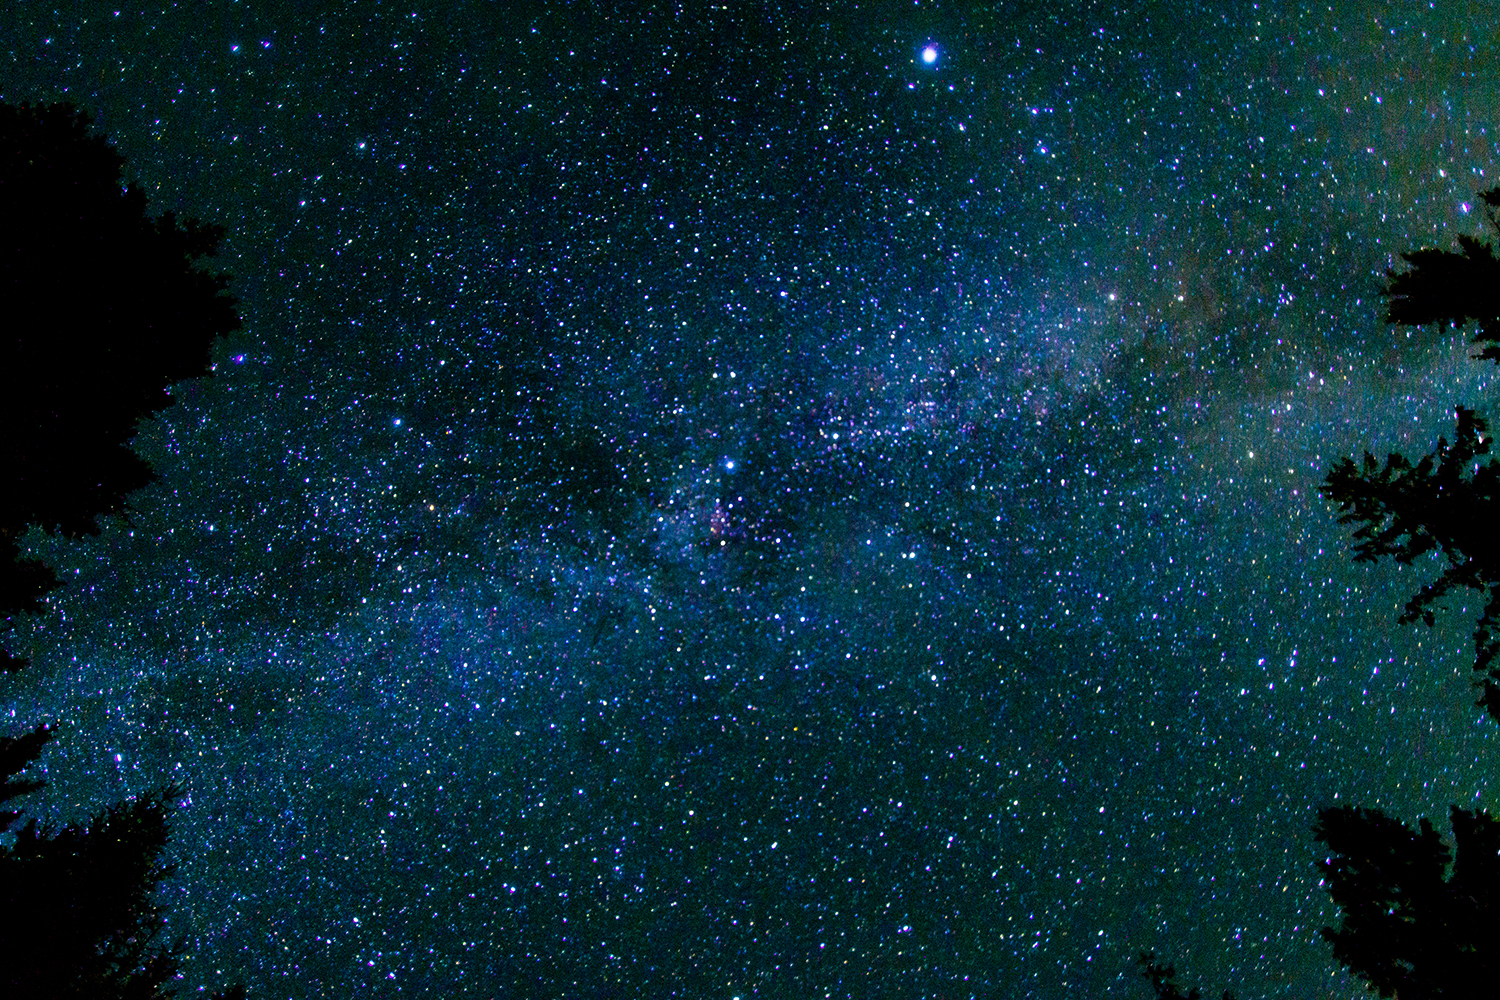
(89, 926)
(1413, 925)
(106, 307)
(1163, 979)
(80, 921)
(1445, 502)
(16, 754)
(1444, 287)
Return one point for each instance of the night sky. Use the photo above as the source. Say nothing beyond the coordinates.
(768, 500)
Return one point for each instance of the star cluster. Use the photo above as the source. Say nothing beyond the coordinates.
(754, 500)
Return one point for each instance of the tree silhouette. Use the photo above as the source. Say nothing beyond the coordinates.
(1163, 979)
(1444, 287)
(87, 924)
(16, 753)
(1414, 925)
(1419, 921)
(1445, 502)
(105, 309)
(80, 922)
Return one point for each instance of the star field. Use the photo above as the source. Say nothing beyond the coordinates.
(755, 500)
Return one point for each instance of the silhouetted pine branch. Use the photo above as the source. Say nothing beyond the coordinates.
(1418, 921)
(1163, 979)
(1446, 503)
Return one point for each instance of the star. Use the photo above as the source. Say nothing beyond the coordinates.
(807, 376)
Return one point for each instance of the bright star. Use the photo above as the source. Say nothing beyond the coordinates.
(930, 54)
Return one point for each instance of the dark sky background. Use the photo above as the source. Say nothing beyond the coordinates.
(708, 503)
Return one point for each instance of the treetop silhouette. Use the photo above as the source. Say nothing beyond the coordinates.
(1418, 920)
(106, 307)
(83, 919)
(1445, 287)
(1445, 503)
(1163, 980)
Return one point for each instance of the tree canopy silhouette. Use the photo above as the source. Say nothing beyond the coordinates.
(81, 921)
(1163, 979)
(81, 918)
(106, 306)
(1444, 287)
(1444, 503)
(1418, 920)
